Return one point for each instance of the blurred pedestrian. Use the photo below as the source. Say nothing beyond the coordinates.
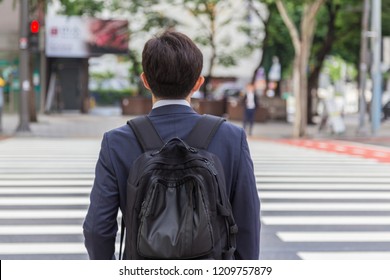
(250, 103)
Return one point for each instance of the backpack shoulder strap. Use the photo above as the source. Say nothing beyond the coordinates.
(146, 133)
(201, 135)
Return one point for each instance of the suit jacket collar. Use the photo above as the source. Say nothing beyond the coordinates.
(171, 109)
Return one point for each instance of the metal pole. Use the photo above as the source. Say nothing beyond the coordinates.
(363, 66)
(376, 67)
(24, 69)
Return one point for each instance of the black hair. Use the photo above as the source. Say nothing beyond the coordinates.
(172, 64)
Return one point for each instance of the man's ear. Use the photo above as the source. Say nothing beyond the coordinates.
(144, 81)
(198, 84)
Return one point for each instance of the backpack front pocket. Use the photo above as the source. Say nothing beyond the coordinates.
(174, 221)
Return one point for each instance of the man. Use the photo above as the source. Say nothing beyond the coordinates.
(172, 66)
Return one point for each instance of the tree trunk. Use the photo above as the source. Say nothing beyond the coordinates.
(320, 56)
(363, 66)
(302, 45)
(261, 60)
(265, 43)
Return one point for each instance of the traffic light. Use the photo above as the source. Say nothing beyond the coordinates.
(33, 39)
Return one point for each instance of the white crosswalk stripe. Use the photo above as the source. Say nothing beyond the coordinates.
(326, 195)
(26, 201)
(326, 220)
(321, 205)
(315, 205)
(44, 190)
(46, 249)
(331, 206)
(45, 229)
(41, 214)
(335, 236)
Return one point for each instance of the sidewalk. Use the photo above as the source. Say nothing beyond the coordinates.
(65, 125)
(98, 121)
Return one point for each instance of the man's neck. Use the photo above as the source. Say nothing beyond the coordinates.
(155, 99)
(165, 102)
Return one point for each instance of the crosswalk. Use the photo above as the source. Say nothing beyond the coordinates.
(315, 205)
(44, 195)
(319, 205)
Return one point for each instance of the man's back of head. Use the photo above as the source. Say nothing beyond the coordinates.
(172, 65)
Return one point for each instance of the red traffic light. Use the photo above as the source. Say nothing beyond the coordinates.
(34, 26)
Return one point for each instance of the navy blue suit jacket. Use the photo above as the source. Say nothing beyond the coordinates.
(120, 148)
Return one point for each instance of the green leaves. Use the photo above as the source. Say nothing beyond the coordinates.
(82, 7)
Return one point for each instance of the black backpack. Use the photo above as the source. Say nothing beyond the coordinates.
(176, 202)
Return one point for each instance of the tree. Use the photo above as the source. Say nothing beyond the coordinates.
(336, 34)
(213, 18)
(275, 41)
(278, 42)
(385, 18)
(302, 39)
(322, 45)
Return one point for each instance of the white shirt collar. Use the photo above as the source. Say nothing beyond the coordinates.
(165, 102)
